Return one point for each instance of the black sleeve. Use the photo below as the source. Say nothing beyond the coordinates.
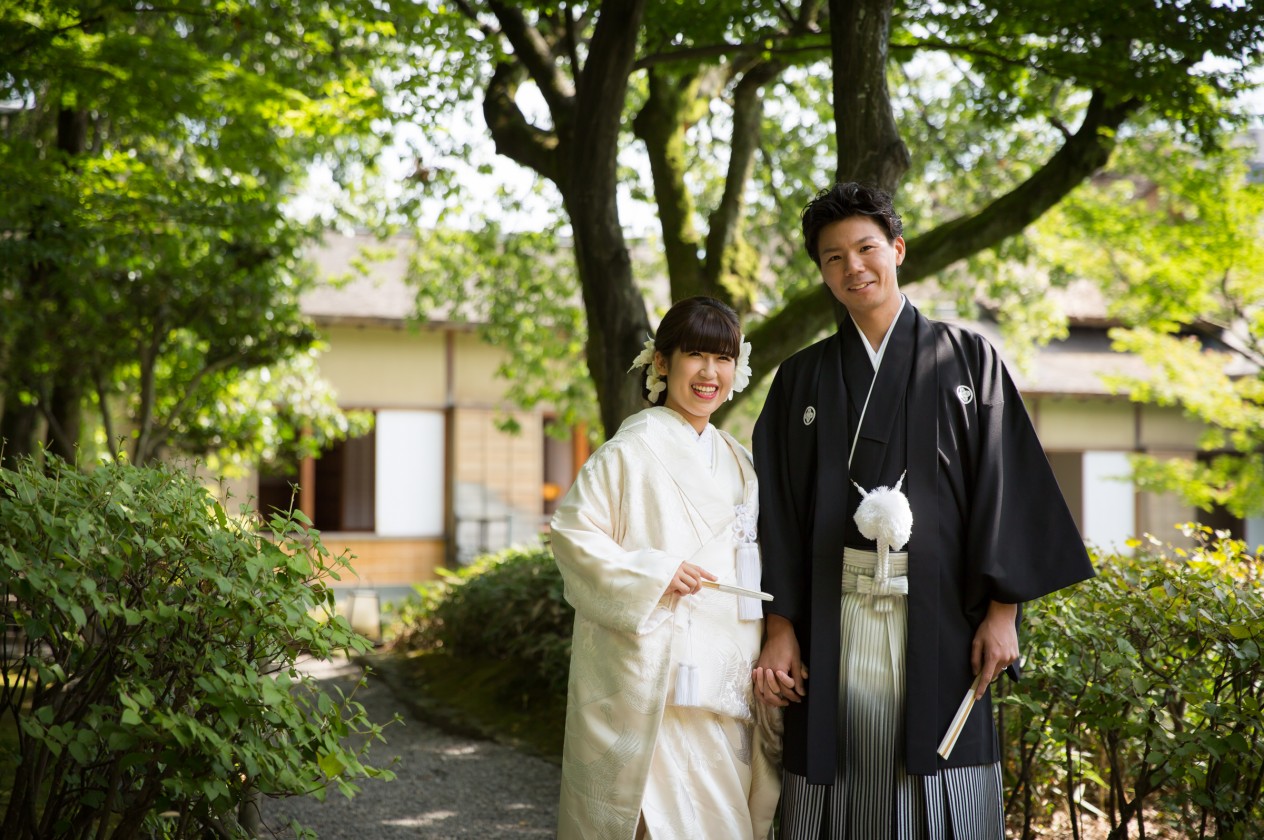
(785, 482)
(1022, 538)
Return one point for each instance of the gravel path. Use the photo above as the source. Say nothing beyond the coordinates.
(445, 786)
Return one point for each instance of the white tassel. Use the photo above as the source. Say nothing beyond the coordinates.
(884, 516)
(688, 690)
(748, 574)
(688, 678)
(882, 580)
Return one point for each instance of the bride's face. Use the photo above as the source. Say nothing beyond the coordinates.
(697, 383)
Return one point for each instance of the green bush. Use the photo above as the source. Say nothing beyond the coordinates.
(150, 657)
(1144, 697)
(504, 606)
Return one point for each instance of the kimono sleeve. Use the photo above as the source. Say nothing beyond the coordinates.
(616, 587)
(1020, 527)
(783, 534)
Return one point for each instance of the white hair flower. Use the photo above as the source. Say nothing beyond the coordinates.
(655, 385)
(742, 370)
(653, 382)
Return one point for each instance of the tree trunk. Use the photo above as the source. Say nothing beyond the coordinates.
(617, 322)
(65, 415)
(63, 396)
(869, 145)
(660, 125)
(17, 429)
(580, 156)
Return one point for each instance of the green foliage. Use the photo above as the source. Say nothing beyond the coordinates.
(151, 663)
(521, 290)
(1173, 237)
(145, 261)
(985, 95)
(277, 414)
(1145, 688)
(507, 606)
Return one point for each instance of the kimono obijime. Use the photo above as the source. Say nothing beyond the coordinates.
(656, 494)
(989, 524)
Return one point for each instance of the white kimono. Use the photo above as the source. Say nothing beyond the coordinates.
(644, 502)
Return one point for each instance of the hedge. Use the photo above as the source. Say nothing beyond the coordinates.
(150, 651)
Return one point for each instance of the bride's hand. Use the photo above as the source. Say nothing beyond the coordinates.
(688, 579)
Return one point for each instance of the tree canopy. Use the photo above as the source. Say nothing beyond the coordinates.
(145, 261)
(1173, 235)
(982, 116)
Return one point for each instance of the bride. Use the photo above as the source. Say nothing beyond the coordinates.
(662, 738)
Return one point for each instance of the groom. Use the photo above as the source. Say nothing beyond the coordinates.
(893, 640)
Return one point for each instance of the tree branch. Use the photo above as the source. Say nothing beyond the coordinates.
(466, 9)
(724, 223)
(571, 40)
(1083, 154)
(661, 125)
(148, 396)
(811, 311)
(535, 55)
(515, 137)
(799, 44)
(971, 49)
(107, 423)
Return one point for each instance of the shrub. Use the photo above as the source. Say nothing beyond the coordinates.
(150, 656)
(504, 606)
(1146, 691)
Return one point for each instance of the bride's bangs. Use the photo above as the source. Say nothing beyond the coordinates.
(709, 331)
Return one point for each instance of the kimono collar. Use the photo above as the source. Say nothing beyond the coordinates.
(676, 421)
(698, 487)
(875, 356)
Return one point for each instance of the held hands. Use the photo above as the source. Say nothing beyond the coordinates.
(780, 676)
(995, 644)
(688, 579)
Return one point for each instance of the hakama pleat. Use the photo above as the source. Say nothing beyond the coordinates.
(873, 796)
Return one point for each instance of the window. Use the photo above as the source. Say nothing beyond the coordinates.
(388, 482)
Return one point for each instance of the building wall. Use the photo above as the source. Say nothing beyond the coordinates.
(492, 481)
(475, 381)
(1089, 440)
(374, 367)
(498, 480)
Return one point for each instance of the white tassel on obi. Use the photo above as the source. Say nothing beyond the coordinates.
(885, 517)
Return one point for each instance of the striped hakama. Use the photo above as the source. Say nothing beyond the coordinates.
(872, 796)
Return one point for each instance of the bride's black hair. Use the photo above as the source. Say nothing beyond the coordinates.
(702, 324)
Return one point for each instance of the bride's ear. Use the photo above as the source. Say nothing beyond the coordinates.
(660, 363)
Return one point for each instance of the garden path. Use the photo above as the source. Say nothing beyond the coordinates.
(447, 786)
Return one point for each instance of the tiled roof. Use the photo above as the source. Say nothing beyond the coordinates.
(355, 289)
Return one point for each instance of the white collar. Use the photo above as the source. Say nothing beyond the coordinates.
(706, 445)
(875, 356)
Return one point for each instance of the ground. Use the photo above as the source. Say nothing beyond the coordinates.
(447, 786)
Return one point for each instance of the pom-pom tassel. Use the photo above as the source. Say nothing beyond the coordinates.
(688, 690)
(884, 516)
(748, 574)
